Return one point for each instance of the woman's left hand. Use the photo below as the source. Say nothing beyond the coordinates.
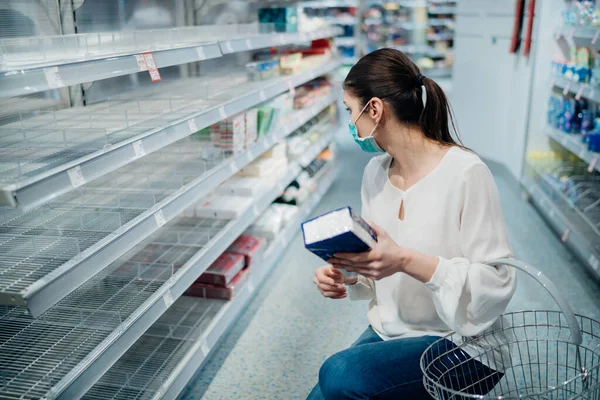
(387, 258)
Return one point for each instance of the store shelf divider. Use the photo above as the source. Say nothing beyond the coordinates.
(560, 223)
(574, 144)
(56, 182)
(223, 321)
(47, 291)
(81, 378)
(38, 79)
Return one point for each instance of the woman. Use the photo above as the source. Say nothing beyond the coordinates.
(436, 211)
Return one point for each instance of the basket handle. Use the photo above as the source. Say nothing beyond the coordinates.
(564, 306)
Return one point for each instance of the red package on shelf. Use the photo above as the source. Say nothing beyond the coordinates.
(219, 292)
(223, 270)
(252, 248)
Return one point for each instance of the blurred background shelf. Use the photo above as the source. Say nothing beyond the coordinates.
(582, 89)
(574, 216)
(574, 144)
(187, 333)
(83, 231)
(30, 65)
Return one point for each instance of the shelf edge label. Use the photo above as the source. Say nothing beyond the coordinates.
(204, 348)
(160, 219)
(141, 62)
(168, 298)
(53, 78)
(592, 165)
(152, 68)
(192, 125)
(138, 148)
(76, 176)
(200, 52)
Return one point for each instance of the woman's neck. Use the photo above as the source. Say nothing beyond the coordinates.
(414, 155)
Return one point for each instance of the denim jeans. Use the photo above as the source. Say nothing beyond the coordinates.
(375, 369)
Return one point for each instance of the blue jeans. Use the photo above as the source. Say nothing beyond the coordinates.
(375, 369)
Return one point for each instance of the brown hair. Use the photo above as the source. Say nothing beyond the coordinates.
(391, 76)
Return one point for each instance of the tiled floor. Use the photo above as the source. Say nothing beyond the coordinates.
(275, 350)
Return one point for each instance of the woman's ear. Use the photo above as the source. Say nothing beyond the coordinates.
(376, 109)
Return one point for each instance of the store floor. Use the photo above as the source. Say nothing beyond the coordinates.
(274, 351)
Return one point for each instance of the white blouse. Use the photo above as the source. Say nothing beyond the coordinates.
(453, 213)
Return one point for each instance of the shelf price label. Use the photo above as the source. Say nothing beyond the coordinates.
(262, 95)
(228, 47)
(168, 299)
(565, 235)
(53, 77)
(138, 148)
(160, 219)
(249, 44)
(593, 164)
(291, 87)
(192, 125)
(204, 348)
(200, 52)
(579, 92)
(152, 68)
(76, 176)
(141, 62)
(596, 36)
(222, 112)
(566, 89)
(594, 262)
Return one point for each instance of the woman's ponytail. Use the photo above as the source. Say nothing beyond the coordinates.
(391, 76)
(436, 119)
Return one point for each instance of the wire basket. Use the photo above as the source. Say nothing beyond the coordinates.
(526, 355)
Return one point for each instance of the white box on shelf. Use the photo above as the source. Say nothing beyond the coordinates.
(242, 186)
(223, 207)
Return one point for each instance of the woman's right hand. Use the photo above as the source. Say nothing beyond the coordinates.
(330, 282)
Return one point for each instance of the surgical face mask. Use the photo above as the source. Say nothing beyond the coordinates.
(367, 144)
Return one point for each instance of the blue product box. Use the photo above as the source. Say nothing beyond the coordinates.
(282, 19)
(339, 231)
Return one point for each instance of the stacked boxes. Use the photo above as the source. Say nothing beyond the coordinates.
(234, 134)
(281, 19)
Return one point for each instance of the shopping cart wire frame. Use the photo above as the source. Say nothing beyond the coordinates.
(531, 355)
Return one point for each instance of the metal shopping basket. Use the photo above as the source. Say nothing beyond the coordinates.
(532, 355)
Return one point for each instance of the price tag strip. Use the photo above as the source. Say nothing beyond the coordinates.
(138, 148)
(168, 299)
(152, 68)
(580, 92)
(160, 219)
(76, 176)
(593, 164)
(192, 125)
(566, 89)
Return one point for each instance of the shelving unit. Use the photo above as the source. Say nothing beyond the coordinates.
(191, 328)
(97, 244)
(560, 174)
(121, 304)
(423, 30)
(31, 65)
(45, 284)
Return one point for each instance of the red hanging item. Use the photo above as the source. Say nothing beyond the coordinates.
(530, 11)
(518, 26)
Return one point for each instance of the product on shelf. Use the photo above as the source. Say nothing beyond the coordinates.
(222, 207)
(339, 231)
(282, 19)
(265, 167)
(223, 270)
(251, 248)
(270, 223)
(242, 186)
(230, 134)
(307, 94)
(262, 70)
(290, 63)
(219, 292)
(582, 12)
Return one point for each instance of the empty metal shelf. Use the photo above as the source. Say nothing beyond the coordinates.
(55, 152)
(50, 251)
(572, 205)
(574, 144)
(182, 338)
(69, 347)
(34, 64)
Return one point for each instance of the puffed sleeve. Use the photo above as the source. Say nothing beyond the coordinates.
(470, 296)
(364, 288)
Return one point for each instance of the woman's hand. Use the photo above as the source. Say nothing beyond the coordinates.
(330, 282)
(387, 258)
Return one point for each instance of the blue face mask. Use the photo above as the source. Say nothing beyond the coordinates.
(367, 144)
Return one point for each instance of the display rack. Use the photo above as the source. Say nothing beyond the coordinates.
(344, 15)
(98, 322)
(192, 328)
(60, 151)
(35, 64)
(561, 173)
(424, 31)
(41, 284)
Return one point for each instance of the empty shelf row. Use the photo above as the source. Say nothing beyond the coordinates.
(49, 251)
(569, 198)
(69, 347)
(183, 337)
(34, 64)
(53, 153)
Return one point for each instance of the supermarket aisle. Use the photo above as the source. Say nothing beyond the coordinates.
(275, 350)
